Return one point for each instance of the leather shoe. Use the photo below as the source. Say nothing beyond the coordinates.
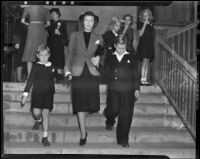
(124, 144)
(83, 141)
(45, 141)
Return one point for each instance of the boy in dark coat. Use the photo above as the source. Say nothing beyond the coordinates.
(123, 82)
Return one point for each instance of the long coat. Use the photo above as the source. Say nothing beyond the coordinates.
(78, 55)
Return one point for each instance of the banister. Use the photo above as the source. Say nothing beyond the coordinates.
(185, 64)
(183, 29)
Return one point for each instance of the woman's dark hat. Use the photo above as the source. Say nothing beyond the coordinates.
(57, 10)
(81, 17)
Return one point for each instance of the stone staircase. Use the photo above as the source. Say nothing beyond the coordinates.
(153, 130)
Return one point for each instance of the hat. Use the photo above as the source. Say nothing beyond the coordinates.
(57, 10)
(81, 17)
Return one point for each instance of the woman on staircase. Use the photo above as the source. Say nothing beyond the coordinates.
(81, 67)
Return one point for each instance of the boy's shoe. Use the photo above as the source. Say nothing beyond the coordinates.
(37, 125)
(124, 144)
(45, 141)
(109, 127)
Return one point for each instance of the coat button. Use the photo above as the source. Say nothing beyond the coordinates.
(115, 70)
(115, 78)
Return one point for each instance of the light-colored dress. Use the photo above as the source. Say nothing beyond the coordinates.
(37, 34)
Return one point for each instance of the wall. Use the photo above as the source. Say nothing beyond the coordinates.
(105, 13)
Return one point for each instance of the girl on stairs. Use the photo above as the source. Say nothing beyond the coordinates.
(42, 80)
(146, 43)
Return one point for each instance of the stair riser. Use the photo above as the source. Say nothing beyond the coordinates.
(91, 121)
(8, 86)
(66, 97)
(96, 136)
(173, 153)
(67, 108)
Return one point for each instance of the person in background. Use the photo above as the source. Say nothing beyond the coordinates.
(146, 43)
(19, 43)
(129, 31)
(81, 67)
(39, 18)
(56, 41)
(42, 80)
(121, 70)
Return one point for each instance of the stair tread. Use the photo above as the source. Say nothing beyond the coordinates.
(91, 115)
(162, 145)
(99, 128)
(55, 128)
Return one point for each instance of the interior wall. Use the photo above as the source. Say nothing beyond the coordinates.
(105, 13)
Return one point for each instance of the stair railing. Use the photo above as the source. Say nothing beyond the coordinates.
(184, 42)
(178, 80)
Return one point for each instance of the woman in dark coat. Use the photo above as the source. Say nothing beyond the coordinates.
(56, 40)
(81, 66)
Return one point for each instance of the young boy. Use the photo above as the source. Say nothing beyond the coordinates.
(123, 90)
(42, 80)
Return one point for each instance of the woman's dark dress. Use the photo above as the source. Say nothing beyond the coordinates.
(146, 43)
(85, 88)
(56, 43)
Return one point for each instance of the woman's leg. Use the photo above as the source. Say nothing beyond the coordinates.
(29, 67)
(82, 123)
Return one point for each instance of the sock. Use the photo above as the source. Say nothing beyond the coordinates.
(45, 134)
(40, 120)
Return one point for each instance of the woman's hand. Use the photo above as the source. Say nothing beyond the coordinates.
(57, 32)
(95, 60)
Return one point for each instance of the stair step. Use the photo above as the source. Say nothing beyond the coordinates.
(68, 120)
(172, 150)
(66, 107)
(97, 134)
(11, 86)
(66, 97)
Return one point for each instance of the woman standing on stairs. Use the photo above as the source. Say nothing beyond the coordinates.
(146, 43)
(81, 67)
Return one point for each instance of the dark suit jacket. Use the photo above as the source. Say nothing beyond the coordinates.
(121, 76)
(78, 55)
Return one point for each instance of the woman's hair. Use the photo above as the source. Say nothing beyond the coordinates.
(113, 22)
(95, 22)
(128, 15)
(149, 13)
(43, 48)
(120, 40)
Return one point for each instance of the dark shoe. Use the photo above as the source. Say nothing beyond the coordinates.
(83, 141)
(37, 125)
(45, 141)
(109, 127)
(124, 145)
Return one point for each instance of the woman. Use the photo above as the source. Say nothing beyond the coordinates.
(56, 39)
(81, 67)
(39, 19)
(130, 33)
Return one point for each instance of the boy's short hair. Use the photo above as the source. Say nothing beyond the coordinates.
(120, 40)
(42, 48)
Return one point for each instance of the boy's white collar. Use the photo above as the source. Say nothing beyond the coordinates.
(125, 52)
(46, 64)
